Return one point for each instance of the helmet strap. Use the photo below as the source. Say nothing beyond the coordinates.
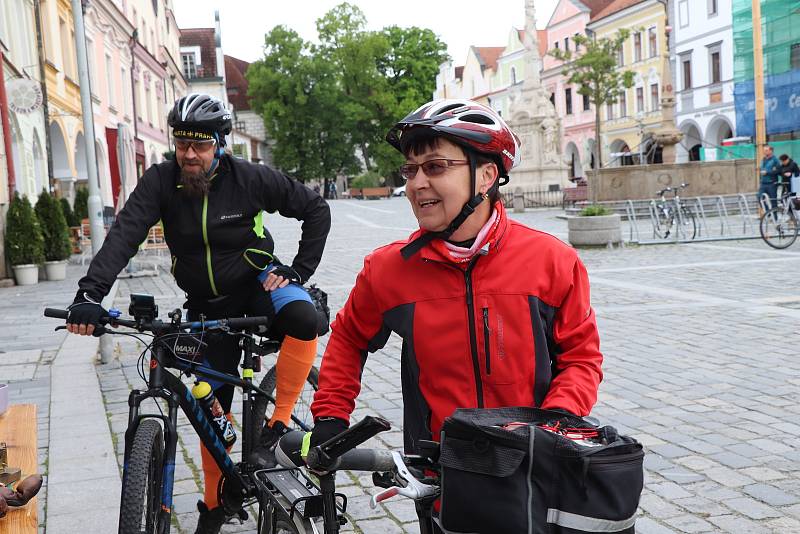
(217, 154)
(469, 208)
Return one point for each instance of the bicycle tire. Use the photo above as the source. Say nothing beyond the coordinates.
(689, 226)
(302, 409)
(282, 526)
(141, 488)
(660, 227)
(785, 228)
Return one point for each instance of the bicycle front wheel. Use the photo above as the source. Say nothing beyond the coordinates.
(779, 228)
(302, 409)
(686, 225)
(140, 505)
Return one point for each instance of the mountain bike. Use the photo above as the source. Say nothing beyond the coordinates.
(670, 216)
(300, 497)
(778, 226)
(151, 438)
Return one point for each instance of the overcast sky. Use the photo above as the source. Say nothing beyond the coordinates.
(459, 23)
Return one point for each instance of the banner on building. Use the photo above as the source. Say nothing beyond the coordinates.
(782, 104)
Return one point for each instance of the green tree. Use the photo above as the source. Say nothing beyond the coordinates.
(54, 228)
(595, 71)
(81, 204)
(24, 243)
(298, 95)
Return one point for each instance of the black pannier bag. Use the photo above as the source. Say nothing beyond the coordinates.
(502, 473)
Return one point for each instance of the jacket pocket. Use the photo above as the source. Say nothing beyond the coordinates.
(487, 349)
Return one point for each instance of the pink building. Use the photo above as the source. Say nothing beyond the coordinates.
(570, 18)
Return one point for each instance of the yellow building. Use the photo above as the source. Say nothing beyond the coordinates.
(63, 95)
(627, 124)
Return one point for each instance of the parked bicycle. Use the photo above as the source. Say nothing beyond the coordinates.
(778, 226)
(296, 501)
(671, 217)
(151, 438)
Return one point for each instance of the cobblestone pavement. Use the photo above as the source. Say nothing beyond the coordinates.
(701, 366)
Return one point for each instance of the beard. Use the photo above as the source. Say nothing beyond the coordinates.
(195, 184)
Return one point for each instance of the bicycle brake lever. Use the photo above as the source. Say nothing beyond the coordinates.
(408, 486)
(62, 327)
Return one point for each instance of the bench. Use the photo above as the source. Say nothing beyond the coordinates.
(573, 195)
(354, 192)
(18, 431)
(376, 192)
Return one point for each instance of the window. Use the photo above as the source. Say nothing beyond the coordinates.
(513, 76)
(640, 99)
(686, 63)
(621, 56)
(149, 103)
(110, 82)
(90, 61)
(568, 100)
(651, 36)
(795, 56)
(553, 99)
(609, 110)
(566, 43)
(126, 96)
(683, 13)
(189, 67)
(586, 103)
(714, 65)
(654, 103)
(556, 45)
(577, 46)
(637, 46)
(623, 104)
(712, 7)
(66, 56)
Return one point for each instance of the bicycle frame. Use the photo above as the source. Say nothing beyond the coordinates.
(169, 387)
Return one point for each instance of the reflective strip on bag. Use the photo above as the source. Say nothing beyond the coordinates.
(586, 523)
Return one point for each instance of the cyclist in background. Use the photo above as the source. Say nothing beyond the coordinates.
(492, 313)
(211, 206)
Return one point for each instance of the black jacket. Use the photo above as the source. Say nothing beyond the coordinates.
(791, 167)
(215, 240)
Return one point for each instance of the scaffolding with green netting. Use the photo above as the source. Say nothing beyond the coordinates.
(780, 25)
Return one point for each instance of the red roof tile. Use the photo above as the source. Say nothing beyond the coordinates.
(488, 55)
(236, 83)
(204, 38)
(595, 6)
(614, 7)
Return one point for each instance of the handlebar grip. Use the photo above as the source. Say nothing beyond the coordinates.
(354, 436)
(56, 313)
(367, 460)
(248, 322)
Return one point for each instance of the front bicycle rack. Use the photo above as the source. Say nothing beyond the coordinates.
(299, 491)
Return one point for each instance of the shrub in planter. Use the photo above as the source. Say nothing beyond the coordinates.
(595, 211)
(54, 228)
(81, 204)
(594, 226)
(69, 215)
(24, 243)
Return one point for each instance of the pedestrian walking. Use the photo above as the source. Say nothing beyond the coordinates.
(332, 191)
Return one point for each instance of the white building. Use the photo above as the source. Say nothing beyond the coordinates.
(702, 58)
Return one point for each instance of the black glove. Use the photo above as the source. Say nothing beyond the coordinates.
(288, 273)
(325, 428)
(84, 310)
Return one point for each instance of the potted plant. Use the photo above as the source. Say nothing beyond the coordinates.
(69, 215)
(24, 243)
(55, 232)
(594, 226)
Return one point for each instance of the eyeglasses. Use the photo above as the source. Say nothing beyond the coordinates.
(432, 168)
(200, 147)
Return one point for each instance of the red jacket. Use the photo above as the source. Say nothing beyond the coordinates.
(512, 327)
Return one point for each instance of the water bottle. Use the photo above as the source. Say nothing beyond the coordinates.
(205, 396)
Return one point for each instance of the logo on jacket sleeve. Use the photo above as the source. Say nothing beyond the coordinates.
(230, 216)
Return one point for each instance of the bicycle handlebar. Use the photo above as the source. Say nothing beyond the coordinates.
(287, 453)
(236, 323)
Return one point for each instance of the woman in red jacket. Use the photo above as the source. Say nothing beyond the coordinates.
(492, 313)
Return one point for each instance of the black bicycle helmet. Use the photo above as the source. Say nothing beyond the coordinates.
(200, 113)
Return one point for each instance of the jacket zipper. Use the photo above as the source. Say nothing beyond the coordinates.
(208, 247)
(486, 336)
(473, 336)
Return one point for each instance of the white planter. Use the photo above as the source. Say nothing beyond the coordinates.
(56, 270)
(594, 231)
(26, 274)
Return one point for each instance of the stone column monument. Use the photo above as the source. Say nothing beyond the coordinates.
(535, 121)
(668, 135)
